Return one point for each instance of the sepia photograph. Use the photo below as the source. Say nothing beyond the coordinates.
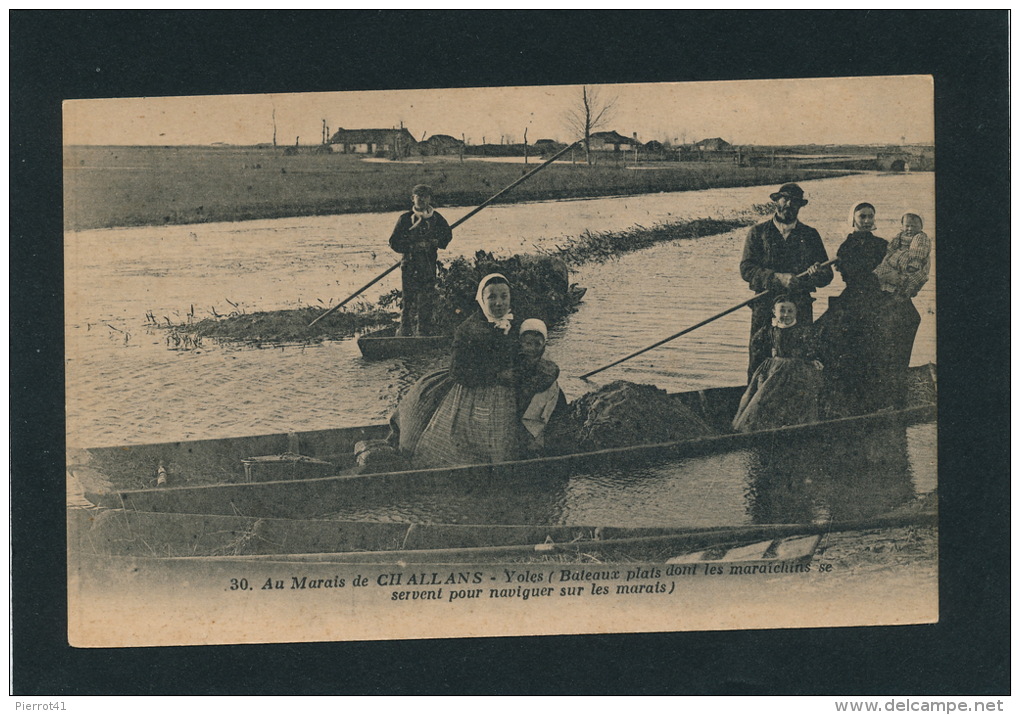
(390, 352)
(571, 359)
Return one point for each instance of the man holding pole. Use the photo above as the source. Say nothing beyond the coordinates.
(426, 208)
(418, 236)
(775, 253)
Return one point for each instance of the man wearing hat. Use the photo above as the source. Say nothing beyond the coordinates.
(418, 236)
(775, 253)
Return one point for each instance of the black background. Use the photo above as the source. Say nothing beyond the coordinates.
(88, 54)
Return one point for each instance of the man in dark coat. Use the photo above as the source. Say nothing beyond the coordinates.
(775, 253)
(418, 236)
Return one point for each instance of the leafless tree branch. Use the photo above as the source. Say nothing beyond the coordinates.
(592, 112)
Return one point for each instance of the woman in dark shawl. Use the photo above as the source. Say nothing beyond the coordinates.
(853, 334)
(469, 414)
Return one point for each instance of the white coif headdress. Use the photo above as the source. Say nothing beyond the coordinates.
(534, 325)
(501, 323)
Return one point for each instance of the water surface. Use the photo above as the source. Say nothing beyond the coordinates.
(124, 386)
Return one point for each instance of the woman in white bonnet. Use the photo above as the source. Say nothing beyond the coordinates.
(476, 420)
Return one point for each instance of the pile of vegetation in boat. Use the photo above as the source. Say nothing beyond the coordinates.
(540, 287)
(623, 414)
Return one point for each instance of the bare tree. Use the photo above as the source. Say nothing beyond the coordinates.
(591, 113)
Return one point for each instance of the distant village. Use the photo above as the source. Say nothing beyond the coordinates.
(612, 146)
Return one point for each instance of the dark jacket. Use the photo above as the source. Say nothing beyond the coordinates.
(481, 352)
(766, 253)
(419, 245)
(533, 378)
(860, 254)
(797, 341)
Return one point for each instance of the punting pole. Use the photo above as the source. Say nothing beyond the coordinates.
(457, 223)
(694, 327)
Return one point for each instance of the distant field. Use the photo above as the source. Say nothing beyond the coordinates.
(136, 186)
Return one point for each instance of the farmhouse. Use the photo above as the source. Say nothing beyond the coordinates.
(548, 147)
(372, 141)
(438, 144)
(714, 144)
(715, 149)
(611, 141)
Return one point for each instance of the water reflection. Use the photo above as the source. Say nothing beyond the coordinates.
(865, 473)
(534, 498)
(697, 491)
(869, 476)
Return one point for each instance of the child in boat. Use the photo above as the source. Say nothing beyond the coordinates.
(907, 261)
(784, 388)
(539, 396)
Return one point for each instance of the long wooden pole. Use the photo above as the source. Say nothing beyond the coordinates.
(457, 223)
(694, 327)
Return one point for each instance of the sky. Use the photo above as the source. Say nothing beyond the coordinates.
(849, 110)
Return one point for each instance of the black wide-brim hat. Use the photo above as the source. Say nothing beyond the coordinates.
(792, 191)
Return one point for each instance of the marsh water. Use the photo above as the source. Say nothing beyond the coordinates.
(124, 386)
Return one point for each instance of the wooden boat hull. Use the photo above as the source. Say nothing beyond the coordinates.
(127, 534)
(301, 497)
(385, 343)
(221, 461)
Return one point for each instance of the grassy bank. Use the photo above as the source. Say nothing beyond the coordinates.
(274, 327)
(599, 246)
(142, 186)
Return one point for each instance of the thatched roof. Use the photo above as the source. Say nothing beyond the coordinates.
(443, 140)
(614, 138)
(714, 144)
(370, 136)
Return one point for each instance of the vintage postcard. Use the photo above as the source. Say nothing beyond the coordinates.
(501, 361)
